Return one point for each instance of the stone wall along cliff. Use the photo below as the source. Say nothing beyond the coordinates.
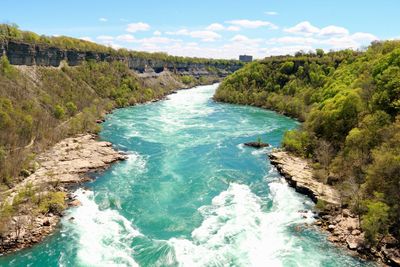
(20, 53)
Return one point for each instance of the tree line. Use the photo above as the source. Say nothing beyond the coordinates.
(12, 32)
(349, 102)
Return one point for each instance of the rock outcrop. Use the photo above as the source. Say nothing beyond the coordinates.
(67, 163)
(344, 230)
(299, 175)
(256, 144)
(20, 53)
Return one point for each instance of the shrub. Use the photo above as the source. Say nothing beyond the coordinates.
(71, 108)
(59, 112)
(321, 205)
(298, 142)
(5, 67)
(375, 222)
(187, 79)
(53, 202)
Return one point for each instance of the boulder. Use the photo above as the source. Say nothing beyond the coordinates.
(390, 242)
(75, 203)
(256, 144)
(354, 242)
(334, 239)
(356, 232)
(346, 213)
(392, 256)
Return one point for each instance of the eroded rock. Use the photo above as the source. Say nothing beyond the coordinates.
(353, 242)
(299, 175)
(66, 163)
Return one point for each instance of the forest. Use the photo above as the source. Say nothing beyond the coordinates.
(349, 103)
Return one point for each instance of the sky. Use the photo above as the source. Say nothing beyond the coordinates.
(212, 28)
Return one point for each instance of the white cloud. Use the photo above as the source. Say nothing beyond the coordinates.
(179, 32)
(205, 36)
(303, 28)
(333, 31)
(109, 41)
(215, 27)
(293, 40)
(303, 36)
(353, 41)
(271, 13)
(157, 40)
(333, 37)
(340, 42)
(113, 45)
(233, 28)
(285, 50)
(138, 26)
(220, 27)
(105, 38)
(86, 38)
(252, 24)
(239, 38)
(364, 37)
(128, 38)
(103, 19)
(246, 41)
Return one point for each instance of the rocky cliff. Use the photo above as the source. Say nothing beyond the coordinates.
(21, 53)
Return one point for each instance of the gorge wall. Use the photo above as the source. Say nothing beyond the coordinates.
(22, 53)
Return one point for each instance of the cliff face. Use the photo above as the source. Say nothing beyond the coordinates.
(20, 53)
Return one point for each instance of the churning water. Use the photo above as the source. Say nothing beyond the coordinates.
(189, 195)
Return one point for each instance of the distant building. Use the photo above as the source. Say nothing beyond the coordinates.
(246, 58)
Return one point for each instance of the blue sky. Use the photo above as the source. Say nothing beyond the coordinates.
(219, 28)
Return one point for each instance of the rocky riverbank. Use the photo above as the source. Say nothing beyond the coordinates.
(67, 163)
(299, 175)
(342, 226)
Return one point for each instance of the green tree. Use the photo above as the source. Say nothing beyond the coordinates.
(59, 112)
(375, 222)
(71, 108)
(5, 66)
(320, 52)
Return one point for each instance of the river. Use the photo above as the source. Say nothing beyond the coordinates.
(190, 194)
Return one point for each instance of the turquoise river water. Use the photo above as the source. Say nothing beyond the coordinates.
(189, 195)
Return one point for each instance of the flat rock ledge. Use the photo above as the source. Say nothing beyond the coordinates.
(67, 163)
(299, 175)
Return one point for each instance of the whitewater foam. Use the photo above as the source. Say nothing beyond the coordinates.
(237, 231)
(103, 236)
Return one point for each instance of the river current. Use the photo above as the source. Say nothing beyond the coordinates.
(190, 194)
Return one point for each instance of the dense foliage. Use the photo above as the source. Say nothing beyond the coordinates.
(349, 102)
(66, 100)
